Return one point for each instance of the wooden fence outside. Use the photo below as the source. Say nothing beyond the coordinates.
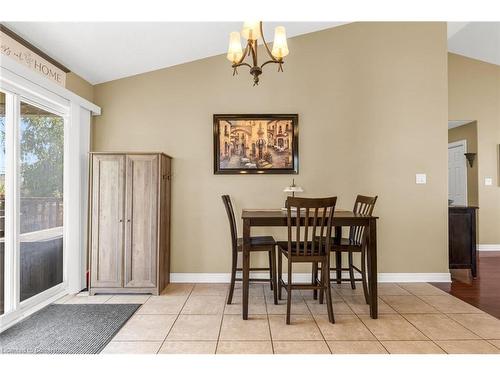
(37, 213)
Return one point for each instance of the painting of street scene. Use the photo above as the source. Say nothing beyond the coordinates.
(258, 145)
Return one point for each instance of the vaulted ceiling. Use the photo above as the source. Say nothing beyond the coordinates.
(105, 51)
(478, 40)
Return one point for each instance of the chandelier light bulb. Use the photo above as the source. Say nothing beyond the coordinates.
(280, 46)
(234, 51)
(251, 30)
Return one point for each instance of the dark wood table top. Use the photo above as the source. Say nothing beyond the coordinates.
(278, 213)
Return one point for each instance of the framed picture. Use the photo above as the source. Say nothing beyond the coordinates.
(261, 144)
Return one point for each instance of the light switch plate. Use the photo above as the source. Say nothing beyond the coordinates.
(488, 181)
(421, 178)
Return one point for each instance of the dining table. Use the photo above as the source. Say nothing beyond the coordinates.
(341, 218)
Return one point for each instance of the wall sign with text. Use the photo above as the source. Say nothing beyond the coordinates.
(15, 50)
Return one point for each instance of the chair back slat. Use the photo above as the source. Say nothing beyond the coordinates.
(323, 222)
(232, 222)
(314, 226)
(363, 205)
(306, 229)
(315, 243)
(297, 233)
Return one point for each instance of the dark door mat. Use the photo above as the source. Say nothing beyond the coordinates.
(67, 329)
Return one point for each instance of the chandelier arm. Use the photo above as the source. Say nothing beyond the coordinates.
(272, 62)
(242, 64)
(242, 56)
(253, 50)
(265, 44)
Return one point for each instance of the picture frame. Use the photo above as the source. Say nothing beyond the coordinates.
(256, 143)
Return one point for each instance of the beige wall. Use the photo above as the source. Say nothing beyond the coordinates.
(79, 86)
(474, 94)
(371, 99)
(468, 132)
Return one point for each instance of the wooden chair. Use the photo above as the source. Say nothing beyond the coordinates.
(315, 217)
(258, 243)
(355, 243)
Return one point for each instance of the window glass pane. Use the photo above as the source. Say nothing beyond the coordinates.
(2, 202)
(41, 200)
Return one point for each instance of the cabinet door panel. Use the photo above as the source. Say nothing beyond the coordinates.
(108, 187)
(142, 216)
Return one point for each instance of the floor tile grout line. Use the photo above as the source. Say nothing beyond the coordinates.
(317, 325)
(221, 321)
(436, 308)
(383, 346)
(398, 313)
(440, 347)
(362, 322)
(460, 324)
(268, 321)
(425, 302)
(369, 330)
(175, 320)
(431, 338)
(413, 325)
(442, 313)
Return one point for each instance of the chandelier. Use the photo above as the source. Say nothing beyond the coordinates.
(252, 31)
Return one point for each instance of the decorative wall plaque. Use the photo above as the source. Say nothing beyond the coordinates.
(12, 49)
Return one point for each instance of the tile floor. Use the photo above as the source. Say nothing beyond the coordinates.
(193, 318)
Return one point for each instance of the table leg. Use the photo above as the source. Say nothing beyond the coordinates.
(338, 254)
(372, 267)
(246, 266)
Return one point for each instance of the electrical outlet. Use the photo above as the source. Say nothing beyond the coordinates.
(488, 181)
(421, 178)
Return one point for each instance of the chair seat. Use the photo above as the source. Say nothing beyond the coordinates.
(258, 242)
(283, 247)
(346, 244)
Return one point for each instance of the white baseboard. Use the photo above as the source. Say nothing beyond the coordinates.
(306, 277)
(413, 277)
(490, 247)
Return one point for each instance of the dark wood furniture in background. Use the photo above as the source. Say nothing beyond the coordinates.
(130, 222)
(279, 218)
(355, 243)
(258, 243)
(314, 247)
(462, 238)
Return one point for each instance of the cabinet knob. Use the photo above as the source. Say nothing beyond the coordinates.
(121, 220)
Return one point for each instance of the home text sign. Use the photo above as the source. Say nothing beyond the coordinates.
(15, 50)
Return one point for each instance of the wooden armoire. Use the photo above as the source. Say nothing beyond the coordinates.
(129, 222)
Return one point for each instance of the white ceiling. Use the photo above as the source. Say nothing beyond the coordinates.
(104, 51)
(478, 40)
(101, 52)
(456, 123)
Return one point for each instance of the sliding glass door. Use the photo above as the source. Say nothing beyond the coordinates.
(41, 154)
(32, 267)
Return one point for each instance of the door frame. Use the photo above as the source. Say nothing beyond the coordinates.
(20, 83)
(461, 142)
